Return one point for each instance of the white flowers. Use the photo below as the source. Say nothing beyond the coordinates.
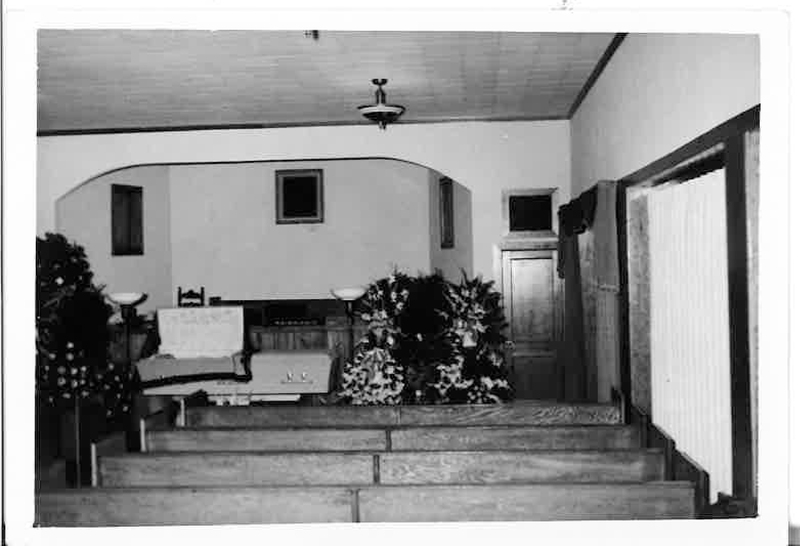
(374, 378)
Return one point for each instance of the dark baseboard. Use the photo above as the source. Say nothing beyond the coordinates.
(731, 507)
(677, 466)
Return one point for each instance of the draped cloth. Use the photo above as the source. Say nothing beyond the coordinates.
(573, 218)
(587, 261)
(572, 351)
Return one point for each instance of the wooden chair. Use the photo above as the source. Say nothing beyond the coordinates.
(192, 298)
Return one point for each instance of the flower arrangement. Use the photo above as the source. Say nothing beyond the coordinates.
(477, 373)
(428, 341)
(72, 339)
(374, 376)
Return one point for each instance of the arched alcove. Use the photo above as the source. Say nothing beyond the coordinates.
(214, 225)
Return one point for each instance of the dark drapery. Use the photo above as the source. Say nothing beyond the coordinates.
(573, 218)
(588, 360)
(572, 355)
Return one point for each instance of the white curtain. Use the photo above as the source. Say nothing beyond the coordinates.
(689, 322)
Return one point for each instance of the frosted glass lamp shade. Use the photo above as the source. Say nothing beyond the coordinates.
(127, 298)
(349, 294)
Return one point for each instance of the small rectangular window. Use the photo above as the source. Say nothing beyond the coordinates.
(127, 233)
(528, 212)
(298, 196)
(446, 213)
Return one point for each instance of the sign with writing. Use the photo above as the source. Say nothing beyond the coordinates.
(191, 332)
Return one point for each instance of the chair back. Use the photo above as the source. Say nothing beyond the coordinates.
(191, 298)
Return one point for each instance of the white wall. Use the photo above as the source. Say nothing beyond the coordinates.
(485, 157)
(224, 235)
(451, 261)
(84, 215)
(658, 92)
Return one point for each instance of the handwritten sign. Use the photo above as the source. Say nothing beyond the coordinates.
(190, 332)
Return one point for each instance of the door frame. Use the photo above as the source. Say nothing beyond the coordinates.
(727, 139)
(547, 243)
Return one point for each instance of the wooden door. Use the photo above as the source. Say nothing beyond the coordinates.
(532, 303)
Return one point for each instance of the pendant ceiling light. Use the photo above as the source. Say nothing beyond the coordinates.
(380, 112)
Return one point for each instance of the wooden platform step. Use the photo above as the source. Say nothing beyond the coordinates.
(516, 413)
(539, 502)
(242, 505)
(265, 439)
(193, 506)
(396, 439)
(362, 468)
(515, 437)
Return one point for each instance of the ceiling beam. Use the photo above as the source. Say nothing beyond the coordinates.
(598, 69)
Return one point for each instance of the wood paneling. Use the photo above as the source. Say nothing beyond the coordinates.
(193, 506)
(402, 439)
(517, 413)
(202, 469)
(251, 505)
(527, 502)
(106, 79)
(292, 416)
(464, 467)
(530, 302)
(498, 438)
(677, 465)
(333, 338)
(267, 440)
(639, 299)
(531, 305)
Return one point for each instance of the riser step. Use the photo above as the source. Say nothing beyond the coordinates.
(486, 467)
(527, 502)
(358, 468)
(518, 413)
(227, 439)
(193, 506)
(417, 438)
(259, 505)
(218, 469)
(517, 437)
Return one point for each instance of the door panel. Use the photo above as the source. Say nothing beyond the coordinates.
(531, 301)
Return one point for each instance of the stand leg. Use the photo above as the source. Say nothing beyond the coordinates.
(351, 349)
(78, 475)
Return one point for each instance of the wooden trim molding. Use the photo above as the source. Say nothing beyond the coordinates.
(624, 302)
(595, 75)
(738, 125)
(283, 125)
(738, 294)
